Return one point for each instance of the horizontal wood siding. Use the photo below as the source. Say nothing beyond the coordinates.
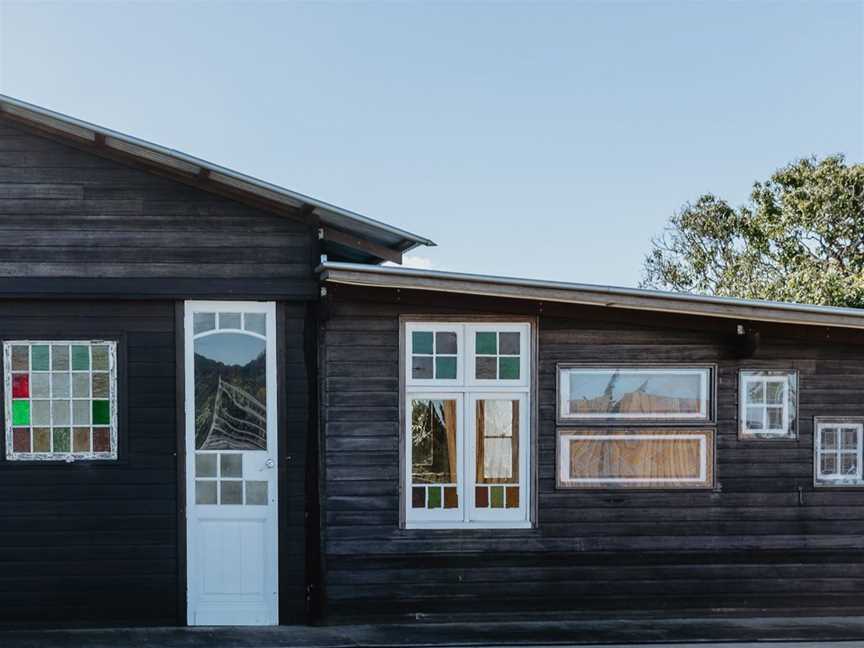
(95, 543)
(69, 213)
(765, 538)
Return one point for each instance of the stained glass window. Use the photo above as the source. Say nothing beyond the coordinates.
(60, 399)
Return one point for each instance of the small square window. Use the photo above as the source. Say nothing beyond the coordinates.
(55, 391)
(768, 405)
(838, 445)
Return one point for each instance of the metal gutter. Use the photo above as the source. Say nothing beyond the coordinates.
(86, 130)
(590, 294)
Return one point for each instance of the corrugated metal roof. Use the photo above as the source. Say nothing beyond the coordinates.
(589, 294)
(154, 154)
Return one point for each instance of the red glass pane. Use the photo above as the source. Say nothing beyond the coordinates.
(481, 497)
(20, 385)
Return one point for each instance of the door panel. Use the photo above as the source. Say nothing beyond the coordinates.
(231, 463)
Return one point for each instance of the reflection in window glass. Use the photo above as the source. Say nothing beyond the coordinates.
(497, 454)
(230, 392)
(768, 404)
(634, 393)
(434, 454)
(839, 453)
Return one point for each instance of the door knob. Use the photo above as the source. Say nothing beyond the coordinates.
(269, 463)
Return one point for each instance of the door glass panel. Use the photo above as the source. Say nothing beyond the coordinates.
(230, 392)
(433, 436)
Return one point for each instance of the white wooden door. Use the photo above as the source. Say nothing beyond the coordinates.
(231, 463)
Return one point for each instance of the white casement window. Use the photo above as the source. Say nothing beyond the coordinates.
(767, 404)
(60, 399)
(467, 424)
(838, 450)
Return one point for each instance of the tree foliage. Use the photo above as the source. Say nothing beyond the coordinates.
(799, 238)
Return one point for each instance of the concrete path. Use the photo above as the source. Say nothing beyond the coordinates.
(681, 633)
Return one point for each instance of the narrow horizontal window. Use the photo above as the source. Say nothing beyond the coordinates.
(631, 394)
(636, 458)
(767, 404)
(60, 399)
(838, 455)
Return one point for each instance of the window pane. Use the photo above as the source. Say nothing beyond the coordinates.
(636, 393)
(497, 441)
(829, 439)
(445, 342)
(849, 463)
(849, 439)
(255, 322)
(41, 440)
(509, 343)
(256, 493)
(828, 464)
(231, 465)
(508, 368)
(775, 418)
(445, 367)
(60, 385)
(486, 343)
(774, 392)
(205, 465)
(231, 492)
(421, 367)
(60, 357)
(754, 418)
(20, 358)
(100, 357)
(40, 384)
(62, 440)
(39, 354)
(755, 392)
(205, 492)
(229, 320)
(203, 322)
(421, 342)
(486, 368)
(80, 357)
(433, 441)
(230, 392)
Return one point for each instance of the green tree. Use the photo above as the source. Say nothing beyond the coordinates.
(799, 238)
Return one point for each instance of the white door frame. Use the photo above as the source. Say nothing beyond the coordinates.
(269, 460)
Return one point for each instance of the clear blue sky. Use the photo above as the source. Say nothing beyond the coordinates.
(526, 139)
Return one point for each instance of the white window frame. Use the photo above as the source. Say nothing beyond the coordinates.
(788, 431)
(467, 390)
(839, 424)
(704, 416)
(71, 456)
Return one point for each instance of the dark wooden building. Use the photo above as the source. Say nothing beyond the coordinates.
(219, 408)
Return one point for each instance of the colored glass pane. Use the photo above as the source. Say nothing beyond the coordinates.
(445, 343)
(100, 385)
(40, 357)
(497, 496)
(20, 358)
(61, 440)
(445, 368)
(485, 368)
(486, 343)
(81, 439)
(418, 497)
(509, 343)
(41, 440)
(101, 412)
(20, 386)
(435, 497)
(421, 342)
(508, 368)
(101, 440)
(513, 497)
(100, 357)
(20, 412)
(60, 357)
(80, 357)
(451, 497)
(481, 497)
(21, 440)
(81, 385)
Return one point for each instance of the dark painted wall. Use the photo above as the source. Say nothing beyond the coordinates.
(68, 213)
(766, 539)
(99, 248)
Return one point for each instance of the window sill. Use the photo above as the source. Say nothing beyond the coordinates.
(468, 525)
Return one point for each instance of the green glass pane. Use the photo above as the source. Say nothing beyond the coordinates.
(40, 357)
(101, 412)
(445, 367)
(421, 342)
(61, 440)
(20, 412)
(80, 357)
(497, 496)
(434, 497)
(508, 368)
(486, 343)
